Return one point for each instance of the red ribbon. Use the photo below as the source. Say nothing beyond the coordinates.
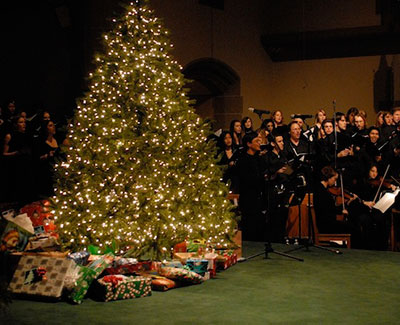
(113, 279)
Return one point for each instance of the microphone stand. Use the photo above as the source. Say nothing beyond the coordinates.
(267, 245)
(267, 234)
(335, 130)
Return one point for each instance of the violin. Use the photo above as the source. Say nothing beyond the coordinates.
(337, 193)
(342, 197)
(377, 181)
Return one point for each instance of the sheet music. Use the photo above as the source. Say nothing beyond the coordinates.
(386, 201)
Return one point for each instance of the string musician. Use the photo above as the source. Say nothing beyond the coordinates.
(326, 210)
(368, 190)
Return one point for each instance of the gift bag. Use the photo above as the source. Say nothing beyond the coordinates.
(16, 233)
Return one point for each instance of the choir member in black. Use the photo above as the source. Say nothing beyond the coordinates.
(326, 146)
(380, 222)
(247, 125)
(17, 157)
(360, 135)
(341, 125)
(47, 152)
(277, 117)
(387, 128)
(297, 150)
(235, 130)
(326, 210)
(379, 119)
(9, 114)
(251, 169)
(229, 156)
(352, 111)
(370, 153)
(265, 134)
(396, 116)
(315, 130)
(278, 191)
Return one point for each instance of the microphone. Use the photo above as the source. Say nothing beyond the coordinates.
(258, 111)
(302, 116)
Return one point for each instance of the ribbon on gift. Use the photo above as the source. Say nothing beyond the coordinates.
(113, 279)
(35, 275)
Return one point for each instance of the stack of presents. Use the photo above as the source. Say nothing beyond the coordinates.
(37, 268)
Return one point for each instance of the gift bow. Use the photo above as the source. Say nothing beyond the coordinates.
(114, 280)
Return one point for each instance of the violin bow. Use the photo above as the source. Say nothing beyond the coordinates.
(380, 185)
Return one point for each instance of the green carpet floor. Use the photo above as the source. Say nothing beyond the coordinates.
(358, 287)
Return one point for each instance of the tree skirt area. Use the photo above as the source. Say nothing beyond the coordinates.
(357, 287)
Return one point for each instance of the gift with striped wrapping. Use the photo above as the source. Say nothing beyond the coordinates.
(118, 287)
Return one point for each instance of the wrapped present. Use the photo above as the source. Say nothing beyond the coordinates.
(160, 283)
(124, 261)
(225, 259)
(181, 247)
(196, 246)
(16, 233)
(181, 275)
(40, 276)
(184, 256)
(174, 263)
(38, 211)
(200, 266)
(80, 258)
(133, 268)
(42, 242)
(117, 287)
(212, 264)
(86, 276)
(72, 277)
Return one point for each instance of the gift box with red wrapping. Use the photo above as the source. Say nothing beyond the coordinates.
(181, 247)
(37, 211)
(117, 287)
(225, 259)
(131, 267)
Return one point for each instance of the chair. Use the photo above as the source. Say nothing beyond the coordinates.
(326, 239)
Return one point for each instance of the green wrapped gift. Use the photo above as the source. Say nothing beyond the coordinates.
(196, 245)
(118, 287)
(86, 276)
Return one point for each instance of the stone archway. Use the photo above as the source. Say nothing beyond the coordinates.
(215, 87)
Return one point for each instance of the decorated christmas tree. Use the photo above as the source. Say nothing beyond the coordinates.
(139, 171)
